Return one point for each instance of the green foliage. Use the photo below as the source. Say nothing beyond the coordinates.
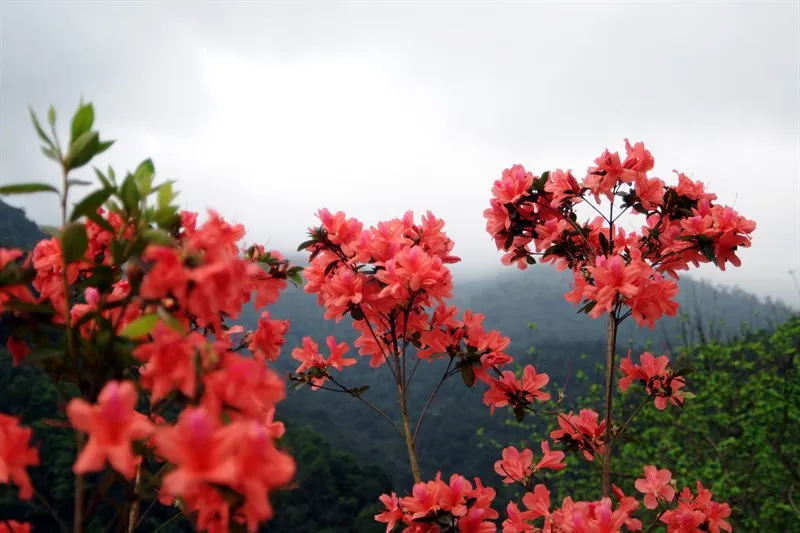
(738, 435)
(336, 492)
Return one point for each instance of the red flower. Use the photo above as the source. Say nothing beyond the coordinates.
(655, 486)
(112, 425)
(16, 455)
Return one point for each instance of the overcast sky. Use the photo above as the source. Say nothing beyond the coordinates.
(269, 111)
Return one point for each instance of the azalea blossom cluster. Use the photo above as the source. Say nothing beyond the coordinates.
(436, 506)
(140, 295)
(697, 512)
(170, 301)
(538, 516)
(532, 216)
(659, 379)
(393, 280)
(518, 467)
(687, 514)
(582, 433)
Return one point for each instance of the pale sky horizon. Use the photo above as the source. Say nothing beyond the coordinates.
(267, 112)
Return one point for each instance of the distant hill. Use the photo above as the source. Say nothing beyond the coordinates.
(16, 230)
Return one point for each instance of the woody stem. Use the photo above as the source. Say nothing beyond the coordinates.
(79, 487)
(133, 516)
(412, 454)
(607, 444)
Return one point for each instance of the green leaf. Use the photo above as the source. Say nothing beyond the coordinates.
(129, 194)
(82, 121)
(330, 267)
(468, 375)
(90, 203)
(167, 218)
(73, 181)
(26, 188)
(82, 150)
(39, 354)
(141, 326)
(305, 244)
(98, 219)
(604, 245)
(19, 305)
(164, 195)
(39, 131)
(147, 165)
(50, 153)
(51, 116)
(144, 176)
(102, 178)
(74, 242)
(102, 146)
(297, 279)
(118, 251)
(154, 236)
(688, 395)
(170, 320)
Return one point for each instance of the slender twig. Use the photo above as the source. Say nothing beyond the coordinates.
(168, 522)
(144, 514)
(655, 520)
(405, 340)
(575, 226)
(367, 403)
(378, 342)
(413, 371)
(51, 510)
(791, 502)
(430, 399)
(133, 516)
(620, 214)
(633, 415)
(590, 204)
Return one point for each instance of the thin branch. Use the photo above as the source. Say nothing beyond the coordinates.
(590, 204)
(574, 225)
(621, 213)
(378, 342)
(368, 404)
(656, 519)
(791, 502)
(168, 522)
(144, 514)
(413, 371)
(50, 510)
(430, 399)
(633, 415)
